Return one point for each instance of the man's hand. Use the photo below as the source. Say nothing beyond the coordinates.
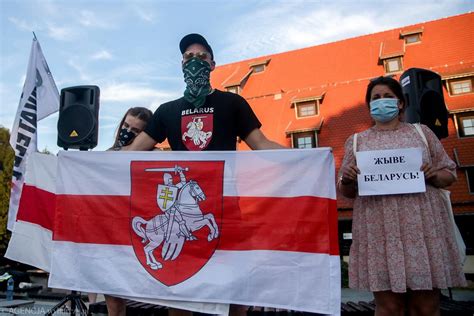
(256, 140)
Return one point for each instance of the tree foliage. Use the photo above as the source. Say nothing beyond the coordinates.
(7, 156)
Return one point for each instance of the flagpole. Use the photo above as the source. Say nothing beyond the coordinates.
(39, 98)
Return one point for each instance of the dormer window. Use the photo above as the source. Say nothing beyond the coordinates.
(233, 89)
(305, 140)
(307, 104)
(305, 109)
(411, 36)
(393, 65)
(259, 66)
(411, 39)
(458, 84)
(391, 55)
(467, 124)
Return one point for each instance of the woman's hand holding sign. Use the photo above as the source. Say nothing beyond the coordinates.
(437, 178)
(349, 174)
(428, 171)
(348, 179)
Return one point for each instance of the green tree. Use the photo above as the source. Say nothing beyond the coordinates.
(46, 151)
(6, 167)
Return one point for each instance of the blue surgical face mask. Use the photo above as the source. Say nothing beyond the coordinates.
(384, 110)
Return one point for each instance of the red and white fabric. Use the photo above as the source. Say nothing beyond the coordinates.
(39, 98)
(276, 246)
(31, 239)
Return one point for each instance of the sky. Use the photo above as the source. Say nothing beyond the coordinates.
(130, 48)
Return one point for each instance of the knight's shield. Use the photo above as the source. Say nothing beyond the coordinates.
(166, 196)
(148, 223)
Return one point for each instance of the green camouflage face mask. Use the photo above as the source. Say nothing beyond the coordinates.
(196, 75)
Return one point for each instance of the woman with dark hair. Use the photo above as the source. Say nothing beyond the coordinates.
(132, 123)
(403, 247)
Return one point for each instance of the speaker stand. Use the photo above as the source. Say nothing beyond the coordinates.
(76, 302)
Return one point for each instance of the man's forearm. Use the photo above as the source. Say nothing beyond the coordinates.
(256, 140)
(142, 142)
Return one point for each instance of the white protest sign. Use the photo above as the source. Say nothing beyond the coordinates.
(394, 171)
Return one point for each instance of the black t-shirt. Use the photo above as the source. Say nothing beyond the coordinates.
(213, 126)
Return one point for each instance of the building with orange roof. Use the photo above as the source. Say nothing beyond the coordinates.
(314, 97)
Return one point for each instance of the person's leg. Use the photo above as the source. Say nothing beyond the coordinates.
(92, 297)
(389, 303)
(115, 306)
(424, 303)
(238, 310)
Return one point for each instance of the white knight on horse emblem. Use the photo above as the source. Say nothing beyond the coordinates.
(195, 132)
(182, 216)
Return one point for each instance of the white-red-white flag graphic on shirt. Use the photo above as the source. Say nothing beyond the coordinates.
(254, 228)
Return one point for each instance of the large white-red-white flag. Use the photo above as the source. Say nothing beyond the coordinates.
(252, 228)
(39, 98)
(31, 239)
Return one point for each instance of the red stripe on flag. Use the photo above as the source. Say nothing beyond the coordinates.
(97, 219)
(271, 223)
(307, 224)
(37, 206)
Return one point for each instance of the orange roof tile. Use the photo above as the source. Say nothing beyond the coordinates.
(410, 31)
(456, 70)
(459, 103)
(392, 48)
(305, 124)
(260, 62)
(308, 95)
(463, 155)
(239, 75)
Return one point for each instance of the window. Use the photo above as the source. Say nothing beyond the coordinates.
(233, 89)
(460, 86)
(304, 140)
(393, 64)
(258, 68)
(466, 126)
(470, 179)
(304, 109)
(413, 38)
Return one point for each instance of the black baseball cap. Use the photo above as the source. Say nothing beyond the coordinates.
(194, 38)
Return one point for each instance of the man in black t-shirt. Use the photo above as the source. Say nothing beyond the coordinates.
(204, 118)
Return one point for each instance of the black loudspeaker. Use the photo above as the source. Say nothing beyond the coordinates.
(425, 102)
(78, 126)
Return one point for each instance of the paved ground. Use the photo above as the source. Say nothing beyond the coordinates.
(40, 307)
